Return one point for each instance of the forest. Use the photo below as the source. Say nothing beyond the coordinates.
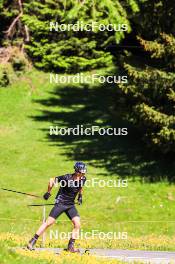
(143, 49)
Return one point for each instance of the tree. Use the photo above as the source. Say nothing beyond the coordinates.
(155, 17)
(67, 50)
(150, 92)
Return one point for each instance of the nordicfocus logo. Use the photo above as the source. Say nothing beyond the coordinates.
(92, 26)
(89, 79)
(91, 183)
(93, 234)
(80, 130)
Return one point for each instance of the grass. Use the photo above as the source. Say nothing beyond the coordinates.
(8, 256)
(11, 253)
(29, 157)
(15, 256)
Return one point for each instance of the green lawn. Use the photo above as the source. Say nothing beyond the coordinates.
(29, 157)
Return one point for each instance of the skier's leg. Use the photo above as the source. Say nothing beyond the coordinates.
(50, 221)
(76, 228)
(73, 215)
(55, 212)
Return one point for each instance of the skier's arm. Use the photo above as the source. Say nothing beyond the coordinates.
(50, 185)
(80, 197)
(49, 188)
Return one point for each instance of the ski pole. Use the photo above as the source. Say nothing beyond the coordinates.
(44, 204)
(24, 193)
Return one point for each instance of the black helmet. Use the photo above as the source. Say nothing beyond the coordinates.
(80, 167)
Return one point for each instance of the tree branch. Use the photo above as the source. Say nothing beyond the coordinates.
(24, 30)
(20, 6)
(8, 32)
(27, 38)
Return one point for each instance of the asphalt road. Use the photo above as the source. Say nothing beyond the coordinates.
(156, 257)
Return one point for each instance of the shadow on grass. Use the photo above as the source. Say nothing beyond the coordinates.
(125, 156)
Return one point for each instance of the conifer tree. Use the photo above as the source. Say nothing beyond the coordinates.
(150, 93)
(67, 50)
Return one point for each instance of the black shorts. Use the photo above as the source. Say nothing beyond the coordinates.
(59, 208)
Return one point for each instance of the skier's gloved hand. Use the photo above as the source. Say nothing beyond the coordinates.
(46, 195)
(80, 199)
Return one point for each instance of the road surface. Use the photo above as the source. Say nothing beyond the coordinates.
(155, 257)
